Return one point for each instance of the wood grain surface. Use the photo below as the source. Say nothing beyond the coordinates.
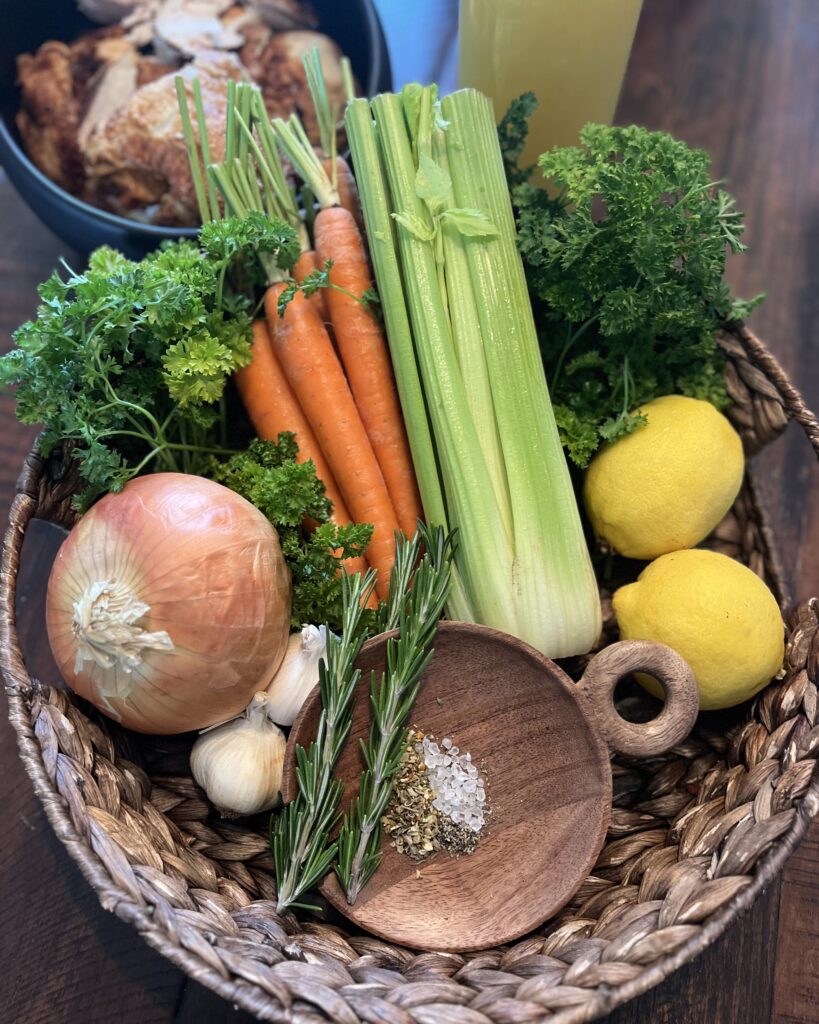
(740, 78)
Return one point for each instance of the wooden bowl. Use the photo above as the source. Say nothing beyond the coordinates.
(545, 742)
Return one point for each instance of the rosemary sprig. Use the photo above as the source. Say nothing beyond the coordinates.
(300, 838)
(417, 596)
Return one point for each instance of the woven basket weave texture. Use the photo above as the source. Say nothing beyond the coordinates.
(694, 835)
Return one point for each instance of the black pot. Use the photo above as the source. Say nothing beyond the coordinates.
(26, 24)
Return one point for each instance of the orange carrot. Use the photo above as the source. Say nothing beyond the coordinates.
(363, 350)
(272, 408)
(313, 370)
(306, 264)
(346, 188)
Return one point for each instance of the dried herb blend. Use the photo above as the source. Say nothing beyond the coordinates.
(439, 801)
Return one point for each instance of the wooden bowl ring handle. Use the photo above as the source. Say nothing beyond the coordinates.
(676, 719)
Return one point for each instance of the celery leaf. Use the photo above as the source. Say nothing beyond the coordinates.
(432, 184)
(472, 223)
(415, 226)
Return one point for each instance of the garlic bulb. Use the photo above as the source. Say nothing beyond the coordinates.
(240, 764)
(298, 673)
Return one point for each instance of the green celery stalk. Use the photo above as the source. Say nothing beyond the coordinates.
(485, 559)
(556, 592)
(375, 202)
(382, 244)
(466, 335)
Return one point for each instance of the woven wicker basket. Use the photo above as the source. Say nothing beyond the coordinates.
(694, 835)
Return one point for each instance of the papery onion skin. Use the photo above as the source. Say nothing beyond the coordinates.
(210, 568)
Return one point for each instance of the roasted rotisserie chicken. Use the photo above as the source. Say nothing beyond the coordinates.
(99, 116)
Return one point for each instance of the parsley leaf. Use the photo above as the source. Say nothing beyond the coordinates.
(320, 278)
(309, 285)
(371, 301)
(513, 131)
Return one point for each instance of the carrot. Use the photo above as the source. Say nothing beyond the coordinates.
(313, 370)
(363, 350)
(272, 408)
(346, 188)
(306, 263)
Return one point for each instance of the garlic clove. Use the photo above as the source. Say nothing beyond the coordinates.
(240, 764)
(298, 674)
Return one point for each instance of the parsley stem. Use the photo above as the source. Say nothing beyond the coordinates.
(220, 285)
(169, 446)
(222, 421)
(581, 330)
(202, 449)
(123, 404)
(168, 420)
(141, 465)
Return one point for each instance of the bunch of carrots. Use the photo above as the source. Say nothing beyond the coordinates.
(320, 363)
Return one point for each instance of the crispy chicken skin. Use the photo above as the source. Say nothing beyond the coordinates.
(58, 83)
(50, 114)
(137, 157)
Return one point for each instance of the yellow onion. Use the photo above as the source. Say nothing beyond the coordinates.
(168, 605)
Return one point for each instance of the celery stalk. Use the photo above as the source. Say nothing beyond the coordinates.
(556, 588)
(485, 559)
(381, 237)
(466, 335)
(470, 379)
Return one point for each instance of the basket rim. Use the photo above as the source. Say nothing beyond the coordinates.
(115, 898)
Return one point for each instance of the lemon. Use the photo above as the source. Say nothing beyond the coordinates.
(666, 485)
(713, 611)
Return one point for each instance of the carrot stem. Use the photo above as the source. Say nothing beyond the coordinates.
(193, 152)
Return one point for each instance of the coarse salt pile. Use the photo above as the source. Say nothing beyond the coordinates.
(456, 782)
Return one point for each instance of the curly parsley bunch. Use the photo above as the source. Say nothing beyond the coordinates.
(128, 360)
(626, 268)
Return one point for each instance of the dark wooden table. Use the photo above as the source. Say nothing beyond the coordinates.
(740, 78)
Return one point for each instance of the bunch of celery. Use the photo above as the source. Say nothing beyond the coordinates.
(463, 343)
